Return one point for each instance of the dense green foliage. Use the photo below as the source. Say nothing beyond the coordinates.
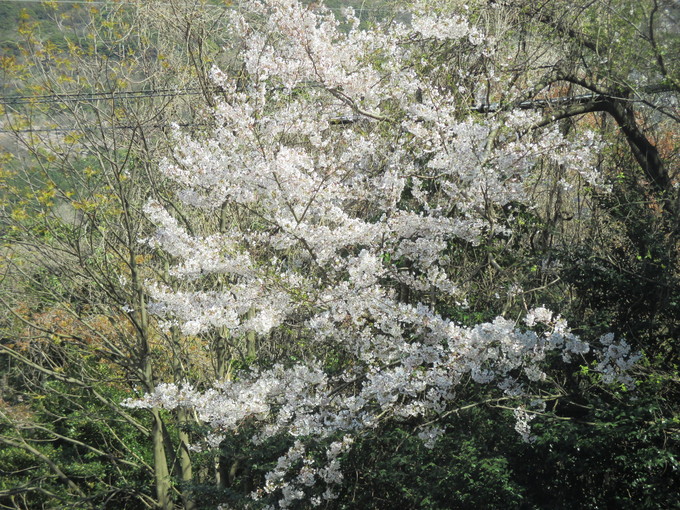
(42, 418)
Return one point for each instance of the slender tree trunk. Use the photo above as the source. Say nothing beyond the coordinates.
(222, 354)
(186, 471)
(161, 472)
(222, 372)
(160, 460)
(645, 153)
(251, 338)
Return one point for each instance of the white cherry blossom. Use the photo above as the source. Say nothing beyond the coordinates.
(347, 176)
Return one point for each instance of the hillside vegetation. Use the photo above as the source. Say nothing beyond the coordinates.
(430, 252)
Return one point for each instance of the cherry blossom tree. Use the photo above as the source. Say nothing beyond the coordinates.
(323, 214)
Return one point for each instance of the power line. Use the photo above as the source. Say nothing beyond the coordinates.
(98, 96)
(99, 129)
(535, 104)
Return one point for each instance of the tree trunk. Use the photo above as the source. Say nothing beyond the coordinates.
(160, 463)
(186, 472)
(160, 460)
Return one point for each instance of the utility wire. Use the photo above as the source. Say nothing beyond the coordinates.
(100, 128)
(535, 104)
(86, 97)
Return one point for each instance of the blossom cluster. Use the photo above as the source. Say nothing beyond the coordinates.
(347, 174)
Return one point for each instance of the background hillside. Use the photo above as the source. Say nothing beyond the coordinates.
(96, 97)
